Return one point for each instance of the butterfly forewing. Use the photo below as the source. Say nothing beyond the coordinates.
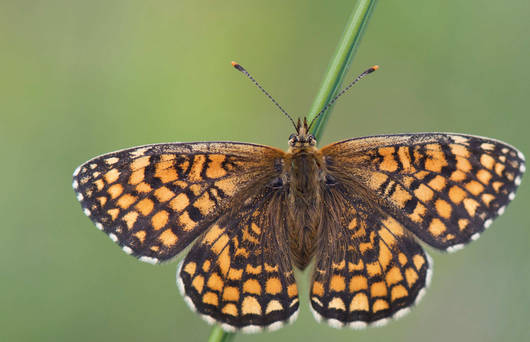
(154, 200)
(445, 188)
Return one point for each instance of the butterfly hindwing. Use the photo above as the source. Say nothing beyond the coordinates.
(445, 188)
(368, 267)
(239, 272)
(154, 200)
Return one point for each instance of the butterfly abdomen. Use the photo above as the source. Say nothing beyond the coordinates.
(304, 204)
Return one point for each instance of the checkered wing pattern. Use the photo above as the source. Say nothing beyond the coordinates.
(444, 188)
(154, 200)
(368, 266)
(239, 272)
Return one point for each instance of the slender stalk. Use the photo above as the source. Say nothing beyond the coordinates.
(337, 69)
(339, 65)
(219, 335)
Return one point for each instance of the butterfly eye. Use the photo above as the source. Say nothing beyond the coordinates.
(292, 137)
(277, 183)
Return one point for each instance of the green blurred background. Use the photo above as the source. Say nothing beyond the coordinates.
(81, 78)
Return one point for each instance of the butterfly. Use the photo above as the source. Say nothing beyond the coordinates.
(356, 208)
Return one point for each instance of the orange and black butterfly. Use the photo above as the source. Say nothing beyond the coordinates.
(357, 208)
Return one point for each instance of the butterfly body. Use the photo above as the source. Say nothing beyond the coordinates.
(357, 208)
(304, 175)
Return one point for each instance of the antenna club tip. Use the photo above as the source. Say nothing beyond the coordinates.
(237, 66)
(375, 67)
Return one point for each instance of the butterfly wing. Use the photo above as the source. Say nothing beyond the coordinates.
(368, 266)
(239, 272)
(154, 200)
(445, 188)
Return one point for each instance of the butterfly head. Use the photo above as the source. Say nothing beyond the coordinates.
(302, 138)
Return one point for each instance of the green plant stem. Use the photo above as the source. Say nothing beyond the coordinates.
(329, 88)
(339, 65)
(219, 335)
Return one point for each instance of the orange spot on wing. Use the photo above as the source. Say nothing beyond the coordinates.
(378, 289)
(99, 184)
(159, 220)
(250, 306)
(227, 186)
(487, 161)
(215, 282)
(377, 180)
(463, 164)
(380, 305)
(273, 286)
(140, 163)
(210, 298)
(438, 183)
(180, 202)
(231, 293)
(198, 283)
(337, 283)
(474, 187)
(140, 235)
(443, 208)
(115, 190)
(471, 206)
(204, 204)
(358, 283)
(424, 193)
(111, 176)
(418, 261)
(359, 302)
(186, 222)
(373, 269)
(487, 198)
(130, 218)
(253, 270)
(145, 206)
(337, 304)
(411, 276)
(126, 201)
(168, 238)
(166, 173)
(137, 176)
(437, 227)
(398, 291)
(273, 305)
(484, 176)
(143, 187)
(393, 276)
(230, 309)
(215, 168)
(401, 196)
(458, 176)
(113, 213)
(163, 194)
(190, 268)
(252, 286)
(292, 290)
(318, 288)
(456, 194)
(196, 168)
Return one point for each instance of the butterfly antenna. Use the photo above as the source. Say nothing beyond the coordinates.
(357, 79)
(240, 68)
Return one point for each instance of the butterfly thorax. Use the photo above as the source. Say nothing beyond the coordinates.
(304, 171)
